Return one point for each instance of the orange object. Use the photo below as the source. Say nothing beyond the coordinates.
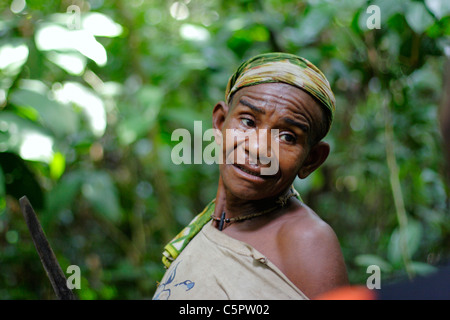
(348, 293)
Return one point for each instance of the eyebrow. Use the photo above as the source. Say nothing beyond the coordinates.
(254, 108)
(302, 126)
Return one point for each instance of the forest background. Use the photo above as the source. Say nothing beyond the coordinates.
(91, 91)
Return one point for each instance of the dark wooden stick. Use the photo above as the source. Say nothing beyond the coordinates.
(46, 254)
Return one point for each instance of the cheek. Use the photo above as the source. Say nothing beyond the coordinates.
(232, 136)
(228, 142)
(291, 160)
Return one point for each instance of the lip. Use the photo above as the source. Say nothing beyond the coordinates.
(254, 171)
(250, 173)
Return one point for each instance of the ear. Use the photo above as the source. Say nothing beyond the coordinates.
(220, 113)
(317, 155)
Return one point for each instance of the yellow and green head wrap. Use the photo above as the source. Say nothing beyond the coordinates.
(285, 68)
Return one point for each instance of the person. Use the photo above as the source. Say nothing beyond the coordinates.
(257, 239)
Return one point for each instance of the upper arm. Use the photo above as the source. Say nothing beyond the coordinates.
(313, 259)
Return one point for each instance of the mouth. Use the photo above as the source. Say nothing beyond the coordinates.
(252, 171)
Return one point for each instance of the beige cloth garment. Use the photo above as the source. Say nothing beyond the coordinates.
(215, 266)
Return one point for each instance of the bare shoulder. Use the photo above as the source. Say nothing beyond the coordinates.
(311, 253)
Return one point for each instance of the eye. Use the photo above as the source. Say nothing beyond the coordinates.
(248, 122)
(287, 137)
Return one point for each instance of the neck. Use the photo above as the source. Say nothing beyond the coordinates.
(234, 206)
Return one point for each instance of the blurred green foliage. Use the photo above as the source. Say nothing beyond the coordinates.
(88, 104)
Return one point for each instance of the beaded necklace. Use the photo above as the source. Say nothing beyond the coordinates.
(281, 202)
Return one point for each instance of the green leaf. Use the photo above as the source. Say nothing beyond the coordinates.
(140, 116)
(366, 260)
(63, 194)
(422, 268)
(99, 24)
(25, 138)
(92, 105)
(418, 17)
(413, 237)
(57, 117)
(13, 54)
(74, 63)
(184, 119)
(53, 37)
(440, 8)
(57, 165)
(312, 24)
(99, 190)
(96, 187)
(388, 9)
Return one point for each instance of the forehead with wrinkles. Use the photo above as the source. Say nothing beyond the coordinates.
(281, 102)
(288, 69)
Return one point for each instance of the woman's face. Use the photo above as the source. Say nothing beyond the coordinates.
(266, 132)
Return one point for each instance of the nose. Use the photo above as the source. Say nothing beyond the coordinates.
(258, 146)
